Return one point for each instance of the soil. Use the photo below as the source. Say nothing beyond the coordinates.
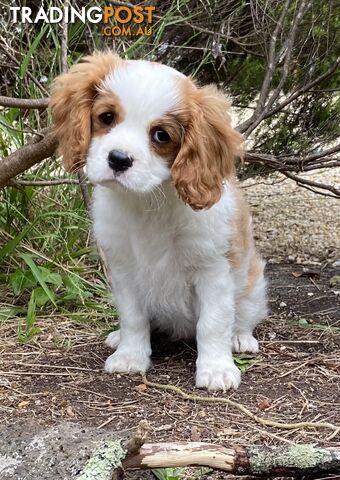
(55, 387)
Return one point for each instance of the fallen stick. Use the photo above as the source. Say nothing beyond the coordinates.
(292, 460)
(227, 401)
(112, 459)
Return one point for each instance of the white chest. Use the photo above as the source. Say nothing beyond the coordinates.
(159, 253)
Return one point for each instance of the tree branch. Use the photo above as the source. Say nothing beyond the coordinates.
(39, 103)
(304, 182)
(298, 92)
(26, 157)
(272, 63)
(43, 183)
(262, 109)
(295, 163)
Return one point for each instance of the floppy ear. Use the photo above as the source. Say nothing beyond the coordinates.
(207, 156)
(71, 103)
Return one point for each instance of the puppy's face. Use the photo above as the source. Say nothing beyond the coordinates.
(137, 124)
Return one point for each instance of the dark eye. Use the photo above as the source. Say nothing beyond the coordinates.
(106, 118)
(160, 136)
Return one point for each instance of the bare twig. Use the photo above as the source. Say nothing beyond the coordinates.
(64, 40)
(195, 27)
(272, 63)
(240, 407)
(28, 73)
(296, 163)
(304, 182)
(44, 183)
(304, 88)
(84, 188)
(39, 103)
(262, 108)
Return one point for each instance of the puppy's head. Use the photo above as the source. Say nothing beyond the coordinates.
(139, 124)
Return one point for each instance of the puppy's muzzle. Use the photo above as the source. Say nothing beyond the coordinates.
(119, 161)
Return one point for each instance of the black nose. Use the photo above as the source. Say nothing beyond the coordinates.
(119, 161)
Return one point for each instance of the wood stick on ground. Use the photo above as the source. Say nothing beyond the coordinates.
(242, 408)
(113, 458)
(285, 461)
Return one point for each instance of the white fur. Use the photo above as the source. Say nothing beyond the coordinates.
(168, 263)
(147, 91)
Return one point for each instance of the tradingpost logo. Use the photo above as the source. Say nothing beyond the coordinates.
(117, 21)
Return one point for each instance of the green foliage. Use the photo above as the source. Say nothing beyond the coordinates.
(180, 473)
(26, 334)
(244, 361)
(169, 473)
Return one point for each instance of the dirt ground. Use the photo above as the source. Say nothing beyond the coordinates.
(59, 376)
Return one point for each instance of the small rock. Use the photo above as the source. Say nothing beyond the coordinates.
(195, 434)
(69, 411)
(282, 304)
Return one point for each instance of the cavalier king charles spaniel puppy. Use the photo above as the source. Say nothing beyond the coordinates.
(167, 210)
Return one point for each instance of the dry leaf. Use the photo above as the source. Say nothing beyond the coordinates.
(23, 404)
(297, 274)
(263, 404)
(141, 388)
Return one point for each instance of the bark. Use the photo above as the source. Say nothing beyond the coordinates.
(26, 157)
(292, 460)
(25, 103)
(112, 459)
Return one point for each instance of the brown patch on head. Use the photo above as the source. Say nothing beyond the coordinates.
(71, 102)
(105, 104)
(209, 149)
(172, 125)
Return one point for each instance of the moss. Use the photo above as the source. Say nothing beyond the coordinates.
(104, 460)
(296, 456)
(335, 281)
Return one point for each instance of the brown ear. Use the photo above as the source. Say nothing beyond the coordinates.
(207, 156)
(71, 103)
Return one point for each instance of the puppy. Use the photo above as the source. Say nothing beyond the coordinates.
(174, 226)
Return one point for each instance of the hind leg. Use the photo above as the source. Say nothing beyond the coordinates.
(250, 310)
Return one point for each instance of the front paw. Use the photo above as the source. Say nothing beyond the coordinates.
(218, 375)
(126, 362)
(245, 342)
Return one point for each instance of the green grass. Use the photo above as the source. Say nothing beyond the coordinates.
(48, 262)
(180, 473)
